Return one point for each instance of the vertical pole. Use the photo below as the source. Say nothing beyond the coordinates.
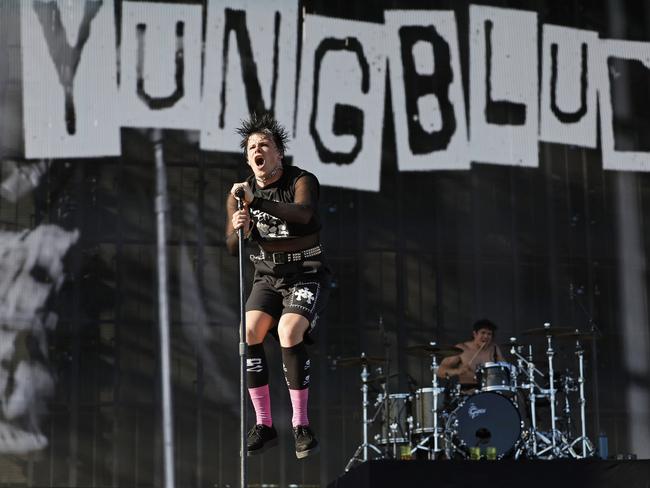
(531, 396)
(364, 390)
(162, 209)
(581, 384)
(243, 352)
(551, 381)
(434, 389)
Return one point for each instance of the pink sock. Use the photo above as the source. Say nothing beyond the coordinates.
(299, 404)
(262, 403)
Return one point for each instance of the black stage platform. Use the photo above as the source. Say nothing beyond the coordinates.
(561, 473)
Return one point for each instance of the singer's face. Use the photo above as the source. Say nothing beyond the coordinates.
(483, 336)
(262, 154)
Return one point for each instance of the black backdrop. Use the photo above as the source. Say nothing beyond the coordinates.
(428, 254)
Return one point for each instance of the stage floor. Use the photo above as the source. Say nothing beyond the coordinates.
(560, 473)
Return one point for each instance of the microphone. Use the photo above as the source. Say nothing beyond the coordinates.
(239, 195)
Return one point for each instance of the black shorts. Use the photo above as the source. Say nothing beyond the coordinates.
(301, 288)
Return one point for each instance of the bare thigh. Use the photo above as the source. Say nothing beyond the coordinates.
(258, 324)
(291, 329)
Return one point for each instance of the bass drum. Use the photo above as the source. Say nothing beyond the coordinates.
(483, 420)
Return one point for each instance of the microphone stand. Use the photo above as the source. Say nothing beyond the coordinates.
(243, 352)
(593, 328)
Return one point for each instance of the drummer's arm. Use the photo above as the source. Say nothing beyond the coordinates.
(451, 366)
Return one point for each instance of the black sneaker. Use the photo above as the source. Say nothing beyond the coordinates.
(260, 438)
(306, 443)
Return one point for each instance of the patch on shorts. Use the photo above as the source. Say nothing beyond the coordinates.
(304, 296)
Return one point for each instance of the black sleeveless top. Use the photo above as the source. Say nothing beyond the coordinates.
(271, 228)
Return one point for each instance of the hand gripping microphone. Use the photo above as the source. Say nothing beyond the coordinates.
(239, 195)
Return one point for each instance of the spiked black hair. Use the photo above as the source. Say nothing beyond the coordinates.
(264, 123)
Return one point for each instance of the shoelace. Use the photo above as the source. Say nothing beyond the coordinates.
(303, 431)
(257, 430)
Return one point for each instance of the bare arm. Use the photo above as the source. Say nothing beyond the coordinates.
(450, 366)
(235, 219)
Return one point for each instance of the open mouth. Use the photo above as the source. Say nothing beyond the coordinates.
(259, 161)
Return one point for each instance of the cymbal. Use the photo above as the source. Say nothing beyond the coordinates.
(357, 360)
(381, 378)
(508, 345)
(548, 331)
(429, 350)
(579, 335)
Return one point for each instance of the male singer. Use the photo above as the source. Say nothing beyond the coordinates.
(291, 282)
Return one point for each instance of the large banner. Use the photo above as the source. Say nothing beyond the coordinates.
(70, 79)
(526, 83)
(339, 119)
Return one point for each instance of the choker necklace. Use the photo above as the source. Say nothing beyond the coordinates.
(264, 179)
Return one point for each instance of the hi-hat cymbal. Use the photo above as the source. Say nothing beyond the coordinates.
(423, 350)
(548, 331)
(357, 360)
(579, 335)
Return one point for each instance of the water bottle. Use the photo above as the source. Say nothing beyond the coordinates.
(603, 451)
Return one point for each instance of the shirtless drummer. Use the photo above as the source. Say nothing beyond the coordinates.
(481, 349)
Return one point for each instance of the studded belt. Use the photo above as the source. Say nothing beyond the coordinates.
(287, 257)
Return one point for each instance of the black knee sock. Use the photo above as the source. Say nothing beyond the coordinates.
(257, 373)
(295, 362)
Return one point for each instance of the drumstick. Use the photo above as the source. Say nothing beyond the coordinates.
(476, 354)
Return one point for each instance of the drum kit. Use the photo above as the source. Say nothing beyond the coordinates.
(521, 409)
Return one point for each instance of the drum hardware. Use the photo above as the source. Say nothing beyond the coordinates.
(438, 419)
(547, 330)
(379, 377)
(359, 360)
(534, 435)
(436, 353)
(534, 442)
(555, 443)
(527, 368)
(426, 350)
(516, 350)
(552, 449)
(365, 445)
(587, 448)
(567, 385)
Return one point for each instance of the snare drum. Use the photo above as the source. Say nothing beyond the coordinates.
(500, 377)
(394, 426)
(424, 409)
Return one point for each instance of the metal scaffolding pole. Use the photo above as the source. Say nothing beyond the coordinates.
(162, 209)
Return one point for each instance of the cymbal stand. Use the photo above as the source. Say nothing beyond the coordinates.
(586, 445)
(529, 446)
(567, 388)
(532, 397)
(522, 361)
(365, 445)
(553, 448)
(435, 391)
